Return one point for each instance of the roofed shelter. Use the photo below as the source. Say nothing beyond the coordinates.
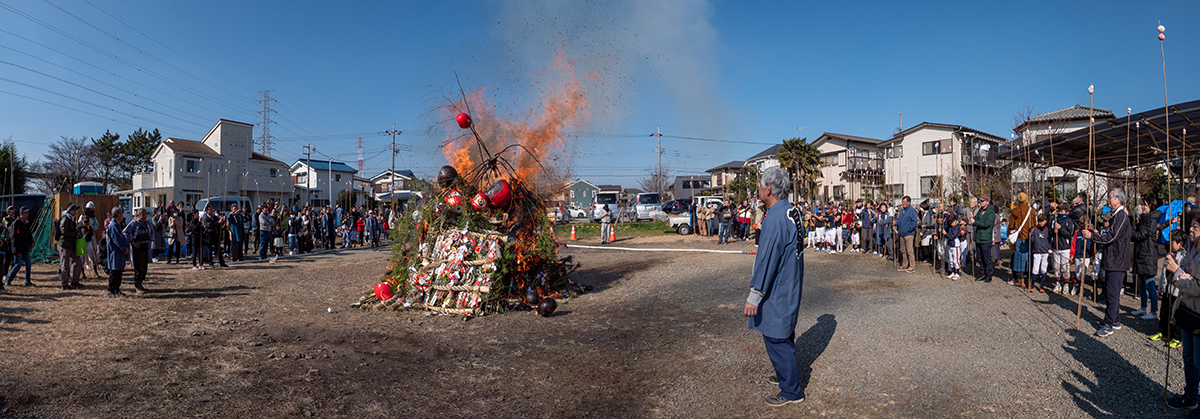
(1113, 148)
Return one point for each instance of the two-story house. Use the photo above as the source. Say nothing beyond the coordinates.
(933, 160)
(223, 163)
(851, 167)
(318, 182)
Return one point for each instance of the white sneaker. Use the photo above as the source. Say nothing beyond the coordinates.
(1138, 312)
(1149, 316)
(1057, 287)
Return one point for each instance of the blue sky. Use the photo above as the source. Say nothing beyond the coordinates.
(741, 72)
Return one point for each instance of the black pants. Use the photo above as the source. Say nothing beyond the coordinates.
(141, 262)
(1169, 331)
(1114, 281)
(114, 280)
(173, 251)
(197, 252)
(236, 251)
(984, 250)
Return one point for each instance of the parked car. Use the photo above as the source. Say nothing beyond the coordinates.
(576, 213)
(600, 200)
(642, 205)
(221, 204)
(676, 206)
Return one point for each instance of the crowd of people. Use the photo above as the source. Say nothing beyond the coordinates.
(727, 221)
(106, 241)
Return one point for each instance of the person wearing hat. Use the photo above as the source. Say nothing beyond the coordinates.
(20, 231)
(984, 221)
(93, 255)
(1020, 220)
(70, 263)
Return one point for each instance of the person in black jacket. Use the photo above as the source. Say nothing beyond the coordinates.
(1145, 257)
(1116, 258)
(195, 235)
(70, 263)
(20, 233)
(212, 224)
(1060, 244)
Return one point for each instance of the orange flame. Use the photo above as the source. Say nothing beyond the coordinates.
(564, 106)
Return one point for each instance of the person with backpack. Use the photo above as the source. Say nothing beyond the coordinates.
(70, 263)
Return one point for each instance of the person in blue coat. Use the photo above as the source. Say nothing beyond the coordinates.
(118, 251)
(906, 227)
(775, 286)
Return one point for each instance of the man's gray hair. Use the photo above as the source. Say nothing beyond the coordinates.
(1119, 194)
(776, 179)
(117, 211)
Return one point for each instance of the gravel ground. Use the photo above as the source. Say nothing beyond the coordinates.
(661, 335)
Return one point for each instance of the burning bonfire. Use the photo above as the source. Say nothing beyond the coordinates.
(484, 243)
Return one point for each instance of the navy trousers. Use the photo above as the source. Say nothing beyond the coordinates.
(1115, 282)
(783, 357)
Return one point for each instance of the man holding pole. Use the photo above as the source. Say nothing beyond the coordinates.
(984, 221)
(1116, 259)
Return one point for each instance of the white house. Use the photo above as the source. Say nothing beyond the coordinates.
(764, 159)
(320, 181)
(389, 186)
(1038, 129)
(851, 167)
(933, 160)
(221, 164)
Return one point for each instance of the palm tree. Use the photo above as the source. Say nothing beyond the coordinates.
(803, 163)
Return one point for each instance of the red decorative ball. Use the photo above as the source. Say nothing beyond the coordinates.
(1161, 37)
(454, 199)
(479, 202)
(464, 120)
(499, 194)
(546, 307)
(383, 291)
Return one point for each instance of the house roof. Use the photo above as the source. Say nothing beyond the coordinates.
(1074, 113)
(584, 181)
(614, 188)
(768, 153)
(826, 136)
(405, 173)
(923, 125)
(254, 155)
(188, 146)
(693, 177)
(737, 164)
(323, 165)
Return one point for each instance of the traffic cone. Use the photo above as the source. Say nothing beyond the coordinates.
(612, 234)
(573, 233)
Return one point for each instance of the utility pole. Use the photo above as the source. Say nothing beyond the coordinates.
(264, 139)
(392, 175)
(309, 149)
(658, 150)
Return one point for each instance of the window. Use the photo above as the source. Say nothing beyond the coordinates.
(274, 172)
(931, 185)
(839, 192)
(936, 147)
(337, 178)
(895, 151)
(829, 160)
(193, 166)
(894, 190)
(572, 194)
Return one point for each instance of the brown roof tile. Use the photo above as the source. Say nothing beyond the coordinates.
(188, 146)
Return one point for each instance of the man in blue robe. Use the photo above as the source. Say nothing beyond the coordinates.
(775, 287)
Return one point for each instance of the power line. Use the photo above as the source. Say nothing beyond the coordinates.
(68, 107)
(73, 57)
(90, 103)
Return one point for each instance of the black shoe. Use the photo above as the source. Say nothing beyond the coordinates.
(224, 265)
(115, 294)
(29, 283)
(777, 401)
(76, 285)
(67, 287)
(773, 379)
(3, 290)
(1182, 402)
(140, 289)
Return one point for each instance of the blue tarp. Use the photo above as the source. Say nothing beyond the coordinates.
(1169, 212)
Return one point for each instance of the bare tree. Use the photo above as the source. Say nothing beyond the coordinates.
(69, 161)
(657, 179)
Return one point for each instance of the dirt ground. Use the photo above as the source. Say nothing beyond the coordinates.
(661, 335)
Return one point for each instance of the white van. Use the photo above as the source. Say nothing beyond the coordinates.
(605, 198)
(642, 205)
(221, 204)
